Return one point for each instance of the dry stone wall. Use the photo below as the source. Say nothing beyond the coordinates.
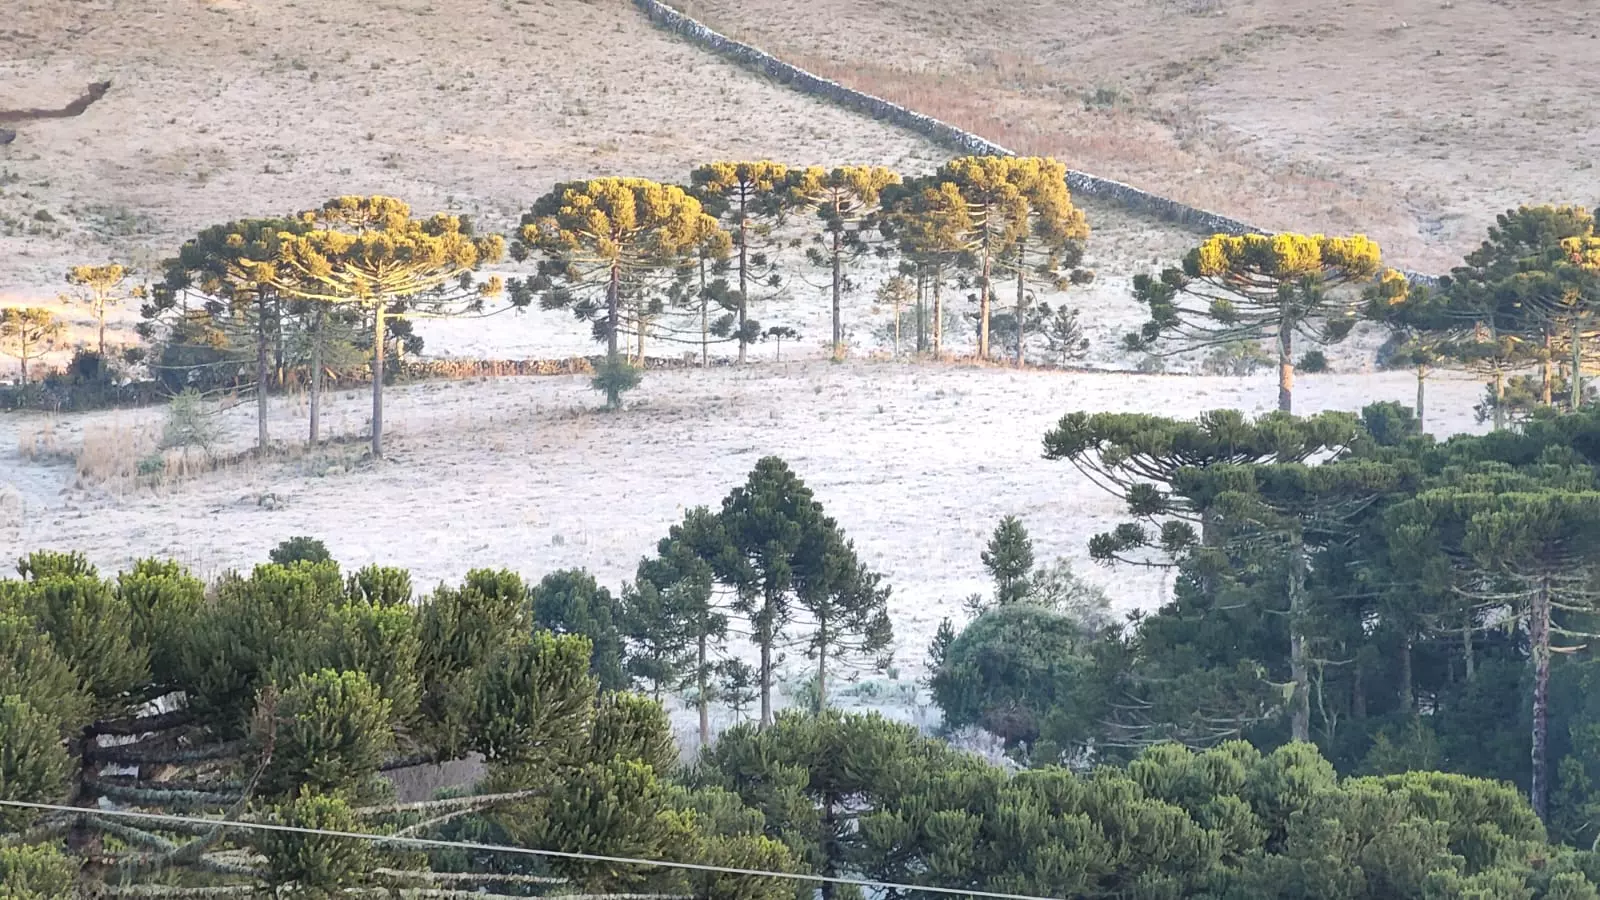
(1124, 195)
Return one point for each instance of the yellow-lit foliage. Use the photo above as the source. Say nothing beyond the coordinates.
(100, 288)
(27, 332)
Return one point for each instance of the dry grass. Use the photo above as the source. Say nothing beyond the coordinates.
(252, 108)
(1415, 120)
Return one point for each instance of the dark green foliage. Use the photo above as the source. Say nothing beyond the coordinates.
(783, 557)
(571, 602)
(31, 668)
(165, 601)
(300, 549)
(73, 610)
(332, 730)
(1314, 361)
(1015, 667)
(313, 865)
(1009, 559)
(615, 376)
(33, 763)
(530, 698)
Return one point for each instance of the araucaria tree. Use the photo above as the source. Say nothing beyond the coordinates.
(750, 198)
(847, 202)
(1049, 249)
(371, 253)
(784, 558)
(1258, 287)
(994, 190)
(929, 220)
(601, 240)
(233, 265)
(99, 288)
(27, 332)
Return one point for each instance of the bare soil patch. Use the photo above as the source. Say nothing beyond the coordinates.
(1415, 121)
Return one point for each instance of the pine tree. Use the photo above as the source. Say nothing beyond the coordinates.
(782, 555)
(1049, 250)
(929, 220)
(26, 333)
(676, 626)
(846, 201)
(368, 252)
(1257, 287)
(606, 243)
(231, 265)
(99, 288)
(752, 198)
(1009, 559)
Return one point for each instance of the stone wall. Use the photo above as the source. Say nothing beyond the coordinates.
(1124, 195)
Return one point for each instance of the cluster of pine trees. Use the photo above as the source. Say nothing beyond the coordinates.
(284, 695)
(1402, 603)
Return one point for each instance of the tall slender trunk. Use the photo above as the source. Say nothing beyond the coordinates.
(922, 311)
(22, 350)
(744, 245)
(316, 369)
(705, 320)
(1422, 380)
(897, 326)
(822, 667)
(277, 329)
(1300, 705)
(702, 702)
(764, 637)
(261, 372)
(1539, 638)
(838, 325)
(101, 316)
(613, 323)
(983, 308)
(1358, 691)
(378, 353)
(938, 311)
(1575, 385)
(1545, 364)
(1405, 691)
(1466, 647)
(1499, 397)
(1022, 305)
(1285, 364)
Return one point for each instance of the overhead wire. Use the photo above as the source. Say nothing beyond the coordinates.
(525, 851)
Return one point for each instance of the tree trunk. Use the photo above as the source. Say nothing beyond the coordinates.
(1285, 365)
(1358, 691)
(378, 354)
(1544, 369)
(822, 669)
(705, 320)
(22, 350)
(1300, 704)
(922, 312)
(1499, 397)
(277, 328)
(938, 311)
(1466, 647)
(1422, 380)
(1405, 692)
(838, 325)
(744, 246)
(261, 373)
(1575, 385)
(100, 315)
(983, 309)
(765, 636)
(613, 320)
(702, 702)
(897, 327)
(316, 369)
(1022, 302)
(1539, 639)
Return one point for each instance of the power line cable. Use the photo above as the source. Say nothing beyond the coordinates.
(526, 851)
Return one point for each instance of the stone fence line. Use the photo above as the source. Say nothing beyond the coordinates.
(1116, 192)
